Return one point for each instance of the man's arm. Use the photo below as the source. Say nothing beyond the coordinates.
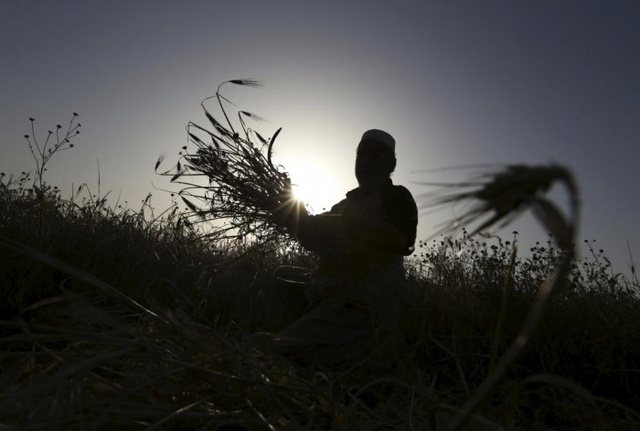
(326, 231)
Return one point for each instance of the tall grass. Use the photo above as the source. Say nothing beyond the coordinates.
(118, 317)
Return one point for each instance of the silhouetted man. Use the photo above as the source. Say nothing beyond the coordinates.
(353, 298)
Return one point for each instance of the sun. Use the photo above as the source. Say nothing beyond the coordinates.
(313, 186)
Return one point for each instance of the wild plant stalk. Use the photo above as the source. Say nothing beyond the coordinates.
(498, 200)
(506, 287)
(42, 154)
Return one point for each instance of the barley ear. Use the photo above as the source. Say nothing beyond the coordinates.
(159, 161)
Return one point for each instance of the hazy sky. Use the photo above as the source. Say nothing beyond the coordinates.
(456, 83)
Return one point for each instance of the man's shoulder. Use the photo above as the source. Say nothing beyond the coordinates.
(399, 189)
(399, 192)
(337, 207)
(390, 193)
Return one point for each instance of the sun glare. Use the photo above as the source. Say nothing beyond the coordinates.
(314, 186)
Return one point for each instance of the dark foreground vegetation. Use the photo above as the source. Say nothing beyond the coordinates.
(114, 319)
(121, 318)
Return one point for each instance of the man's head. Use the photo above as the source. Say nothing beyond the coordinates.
(375, 158)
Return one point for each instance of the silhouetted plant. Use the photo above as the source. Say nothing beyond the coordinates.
(240, 182)
(496, 199)
(43, 152)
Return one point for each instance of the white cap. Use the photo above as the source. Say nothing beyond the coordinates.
(379, 136)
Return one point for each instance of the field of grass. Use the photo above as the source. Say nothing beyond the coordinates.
(121, 318)
(113, 318)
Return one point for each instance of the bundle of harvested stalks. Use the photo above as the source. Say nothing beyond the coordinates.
(243, 186)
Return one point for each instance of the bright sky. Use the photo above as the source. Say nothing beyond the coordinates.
(456, 83)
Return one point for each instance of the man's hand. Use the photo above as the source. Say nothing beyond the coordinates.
(287, 211)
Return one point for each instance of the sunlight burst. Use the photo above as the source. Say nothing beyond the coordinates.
(313, 185)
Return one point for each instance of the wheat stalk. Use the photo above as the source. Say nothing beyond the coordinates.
(497, 198)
